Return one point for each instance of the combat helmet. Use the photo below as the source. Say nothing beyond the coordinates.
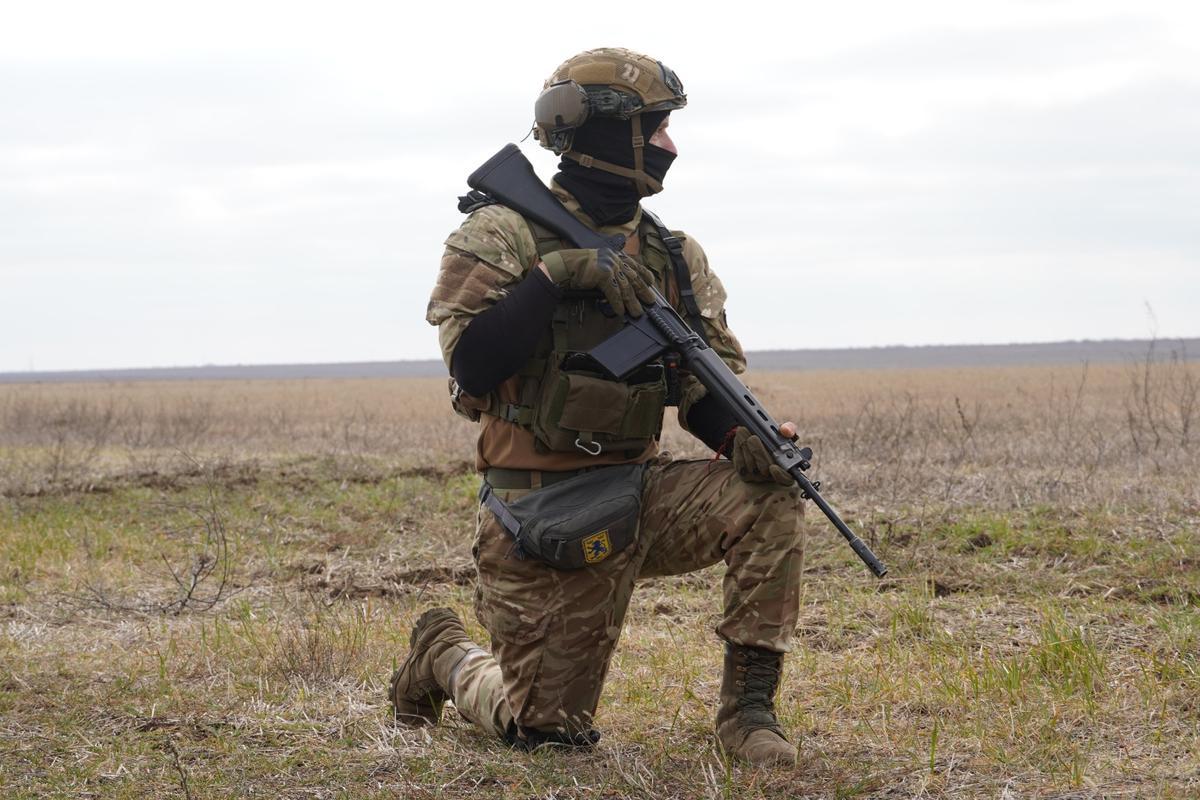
(606, 82)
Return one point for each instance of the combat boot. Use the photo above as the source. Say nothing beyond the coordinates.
(746, 725)
(421, 687)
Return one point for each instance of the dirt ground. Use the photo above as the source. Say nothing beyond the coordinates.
(204, 587)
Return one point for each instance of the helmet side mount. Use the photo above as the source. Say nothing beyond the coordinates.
(565, 105)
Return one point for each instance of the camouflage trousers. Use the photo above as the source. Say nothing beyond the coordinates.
(553, 631)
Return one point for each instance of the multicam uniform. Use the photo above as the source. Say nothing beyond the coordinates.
(553, 631)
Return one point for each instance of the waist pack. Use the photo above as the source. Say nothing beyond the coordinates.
(576, 522)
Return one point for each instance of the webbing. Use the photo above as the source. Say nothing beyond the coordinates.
(683, 275)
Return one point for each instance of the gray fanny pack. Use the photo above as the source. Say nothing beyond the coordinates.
(577, 522)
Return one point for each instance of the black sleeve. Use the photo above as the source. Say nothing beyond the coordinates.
(710, 422)
(497, 342)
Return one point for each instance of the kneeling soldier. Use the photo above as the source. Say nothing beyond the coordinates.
(517, 310)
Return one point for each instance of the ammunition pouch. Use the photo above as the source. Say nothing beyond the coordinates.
(580, 408)
(576, 522)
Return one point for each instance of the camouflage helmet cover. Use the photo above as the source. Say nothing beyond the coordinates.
(607, 82)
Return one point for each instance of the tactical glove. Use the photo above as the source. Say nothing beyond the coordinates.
(618, 277)
(752, 461)
(641, 279)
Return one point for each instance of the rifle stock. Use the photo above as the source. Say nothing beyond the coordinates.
(509, 178)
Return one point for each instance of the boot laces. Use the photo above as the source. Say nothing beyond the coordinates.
(760, 671)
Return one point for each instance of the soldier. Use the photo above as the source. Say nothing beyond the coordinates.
(516, 308)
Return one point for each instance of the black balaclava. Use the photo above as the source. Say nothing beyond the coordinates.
(612, 199)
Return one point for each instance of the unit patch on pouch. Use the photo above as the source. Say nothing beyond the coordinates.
(596, 547)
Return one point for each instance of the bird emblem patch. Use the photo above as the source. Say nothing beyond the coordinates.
(596, 547)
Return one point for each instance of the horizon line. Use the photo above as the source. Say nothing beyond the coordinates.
(1061, 351)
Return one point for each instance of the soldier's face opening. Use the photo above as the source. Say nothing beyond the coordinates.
(660, 138)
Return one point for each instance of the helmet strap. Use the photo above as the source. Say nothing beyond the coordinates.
(645, 184)
(639, 164)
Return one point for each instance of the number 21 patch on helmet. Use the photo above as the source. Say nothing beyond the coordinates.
(596, 547)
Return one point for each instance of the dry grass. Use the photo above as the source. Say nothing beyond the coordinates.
(78, 435)
(1038, 635)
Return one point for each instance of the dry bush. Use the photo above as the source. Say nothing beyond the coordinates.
(59, 437)
(199, 580)
(324, 647)
(1161, 403)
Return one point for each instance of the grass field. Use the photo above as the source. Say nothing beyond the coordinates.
(205, 586)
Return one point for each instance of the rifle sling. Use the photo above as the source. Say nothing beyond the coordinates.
(683, 275)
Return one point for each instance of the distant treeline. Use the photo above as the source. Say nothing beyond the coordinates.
(898, 357)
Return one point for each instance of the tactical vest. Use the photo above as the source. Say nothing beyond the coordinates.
(563, 397)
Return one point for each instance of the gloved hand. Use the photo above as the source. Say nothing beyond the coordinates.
(641, 279)
(619, 278)
(752, 461)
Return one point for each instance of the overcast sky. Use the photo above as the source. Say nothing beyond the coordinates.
(272, 182)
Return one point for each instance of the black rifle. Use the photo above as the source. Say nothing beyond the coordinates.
(509, 178)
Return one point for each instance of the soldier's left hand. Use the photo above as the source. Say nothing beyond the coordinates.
(752, 461)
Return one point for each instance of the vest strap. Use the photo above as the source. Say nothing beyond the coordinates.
(511, 412)
(683, 276)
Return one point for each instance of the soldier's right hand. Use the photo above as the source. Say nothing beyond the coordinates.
(604, 269)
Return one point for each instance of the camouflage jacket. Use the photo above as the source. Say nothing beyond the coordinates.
(494, 249)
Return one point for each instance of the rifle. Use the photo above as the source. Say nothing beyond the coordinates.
(509, 178)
